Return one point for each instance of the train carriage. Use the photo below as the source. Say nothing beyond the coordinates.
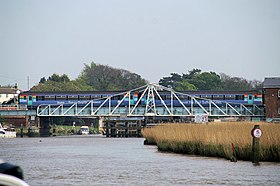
(33, 99)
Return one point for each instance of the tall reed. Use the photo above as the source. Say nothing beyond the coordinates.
(225, 139)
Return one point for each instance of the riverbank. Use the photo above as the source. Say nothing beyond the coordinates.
(58, 130)
(230, 140)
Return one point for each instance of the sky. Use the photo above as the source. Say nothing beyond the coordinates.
(152, 38)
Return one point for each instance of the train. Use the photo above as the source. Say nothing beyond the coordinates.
(34, 99)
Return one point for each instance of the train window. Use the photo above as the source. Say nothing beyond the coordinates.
(163, 97)
(168, 97)
(218, 97)
(72, 97)
(206, 96)
(49, 97)
(84, 97)
(95, 97)
(40, 98)
(24, 97)
(60, 97)
(239, 97)
(230, 97)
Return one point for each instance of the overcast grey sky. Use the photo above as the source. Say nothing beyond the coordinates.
(152, 38)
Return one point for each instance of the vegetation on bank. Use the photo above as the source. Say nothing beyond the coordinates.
(59, 130)
(225, 140)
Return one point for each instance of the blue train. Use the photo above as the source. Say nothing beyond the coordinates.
(33, 99)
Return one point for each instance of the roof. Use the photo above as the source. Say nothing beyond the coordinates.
(273, 82)
(8, 90)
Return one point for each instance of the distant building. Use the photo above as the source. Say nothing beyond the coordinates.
(7, 94)
(272, 98)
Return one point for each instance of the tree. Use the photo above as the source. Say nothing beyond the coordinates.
(43, 80)
(171, 81)
(103, 77)
(184, 85)
(192, 73)
(207, 81)
(58, 78)
(237, 83)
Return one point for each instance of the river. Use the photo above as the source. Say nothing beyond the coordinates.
(96, 160)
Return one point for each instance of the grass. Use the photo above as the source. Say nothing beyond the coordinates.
(216, 139)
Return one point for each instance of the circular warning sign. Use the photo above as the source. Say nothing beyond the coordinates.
(257, 133)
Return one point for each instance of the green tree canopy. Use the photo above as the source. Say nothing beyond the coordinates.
(184, 85)
(103, 77)
(206, 81)
(171, 81)
(59, 83)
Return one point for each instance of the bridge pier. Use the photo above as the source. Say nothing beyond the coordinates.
(122, 127)
(44, 128)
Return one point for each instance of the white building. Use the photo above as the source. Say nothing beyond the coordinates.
(7, 94)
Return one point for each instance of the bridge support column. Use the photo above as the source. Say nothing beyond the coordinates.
(44, 127)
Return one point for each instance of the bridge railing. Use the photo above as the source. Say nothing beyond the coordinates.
(13, 107)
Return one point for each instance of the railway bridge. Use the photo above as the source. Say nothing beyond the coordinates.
(151, 103)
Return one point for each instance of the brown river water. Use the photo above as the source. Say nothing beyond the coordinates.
(96, 160)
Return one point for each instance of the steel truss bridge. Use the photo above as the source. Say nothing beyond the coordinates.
(154, 104)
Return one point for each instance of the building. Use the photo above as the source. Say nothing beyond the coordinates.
(271, 89)
(7, 94)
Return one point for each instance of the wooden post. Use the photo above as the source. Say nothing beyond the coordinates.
(21, 130)
(29, 132)
(126, 129)
(107, 129)
(54, 130)
(256, 133)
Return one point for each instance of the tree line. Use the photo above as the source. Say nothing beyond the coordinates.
(195, 79)
(97, 77)
(94, 77)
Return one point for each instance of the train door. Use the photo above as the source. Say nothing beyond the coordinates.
(250, 99)
(29, 100)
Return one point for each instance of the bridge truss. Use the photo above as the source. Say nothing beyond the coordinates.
(151, 102)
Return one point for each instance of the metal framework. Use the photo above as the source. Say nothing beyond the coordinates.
(151, 103)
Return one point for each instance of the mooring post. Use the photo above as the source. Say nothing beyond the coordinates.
(256, 133)
(29, 131)
(21, 130)
(107, 129)
(54, 130)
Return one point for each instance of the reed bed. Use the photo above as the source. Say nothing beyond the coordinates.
(226, 140)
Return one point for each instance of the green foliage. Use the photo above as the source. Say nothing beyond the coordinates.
(192, 81)
(172, 81)
(198, 80)
(57, 78)
(103, 77)
(60, 86)
(206, 81)
(184, 85)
